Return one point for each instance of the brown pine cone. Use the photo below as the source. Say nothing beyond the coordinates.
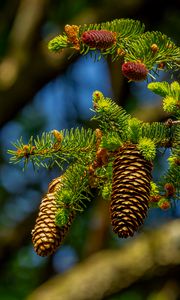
(130, 190)
(46, 235)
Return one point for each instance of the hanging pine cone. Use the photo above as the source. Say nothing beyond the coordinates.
(99, 39)
(130, 190)
(46, 235)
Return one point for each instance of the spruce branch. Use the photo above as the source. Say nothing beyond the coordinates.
(73, 37)
(170, 94)
(76, 189)
(165, 89)
(110, 116)
(117, 158)
(96, 148)
(158, 132)
(172, 176)
(134, 130)
(147, 148)
(58, 43)
(126, 28)
(171, 122)
(143, 49)
(160, 88)
(46, 150)
(117, 38)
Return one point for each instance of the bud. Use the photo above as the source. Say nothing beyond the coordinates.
(58, 135)
(72, 34)
(169, 104)
(154, 48)
(170, 189)
(120, 52)
(164, 204)
(177, 161)
(161, 65)
(155, 198)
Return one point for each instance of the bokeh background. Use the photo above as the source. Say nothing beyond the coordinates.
(40, 91)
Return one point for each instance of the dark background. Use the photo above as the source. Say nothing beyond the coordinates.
(40, 91)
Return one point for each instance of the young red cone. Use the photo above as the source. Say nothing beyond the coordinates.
(99, 39)
(134, 71)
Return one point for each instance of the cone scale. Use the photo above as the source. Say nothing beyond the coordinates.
(130, 190)
(46, 235)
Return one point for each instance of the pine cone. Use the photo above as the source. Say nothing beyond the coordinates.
(99, 39)
(46, 235)
(134, 71)
(130, 190)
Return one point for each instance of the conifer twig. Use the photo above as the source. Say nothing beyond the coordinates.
(171, 122)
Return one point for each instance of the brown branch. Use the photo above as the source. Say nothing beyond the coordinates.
(28, 65)
(30, 14)
(27, 23)
(37, 72)
(110, 271)
(170, 122)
